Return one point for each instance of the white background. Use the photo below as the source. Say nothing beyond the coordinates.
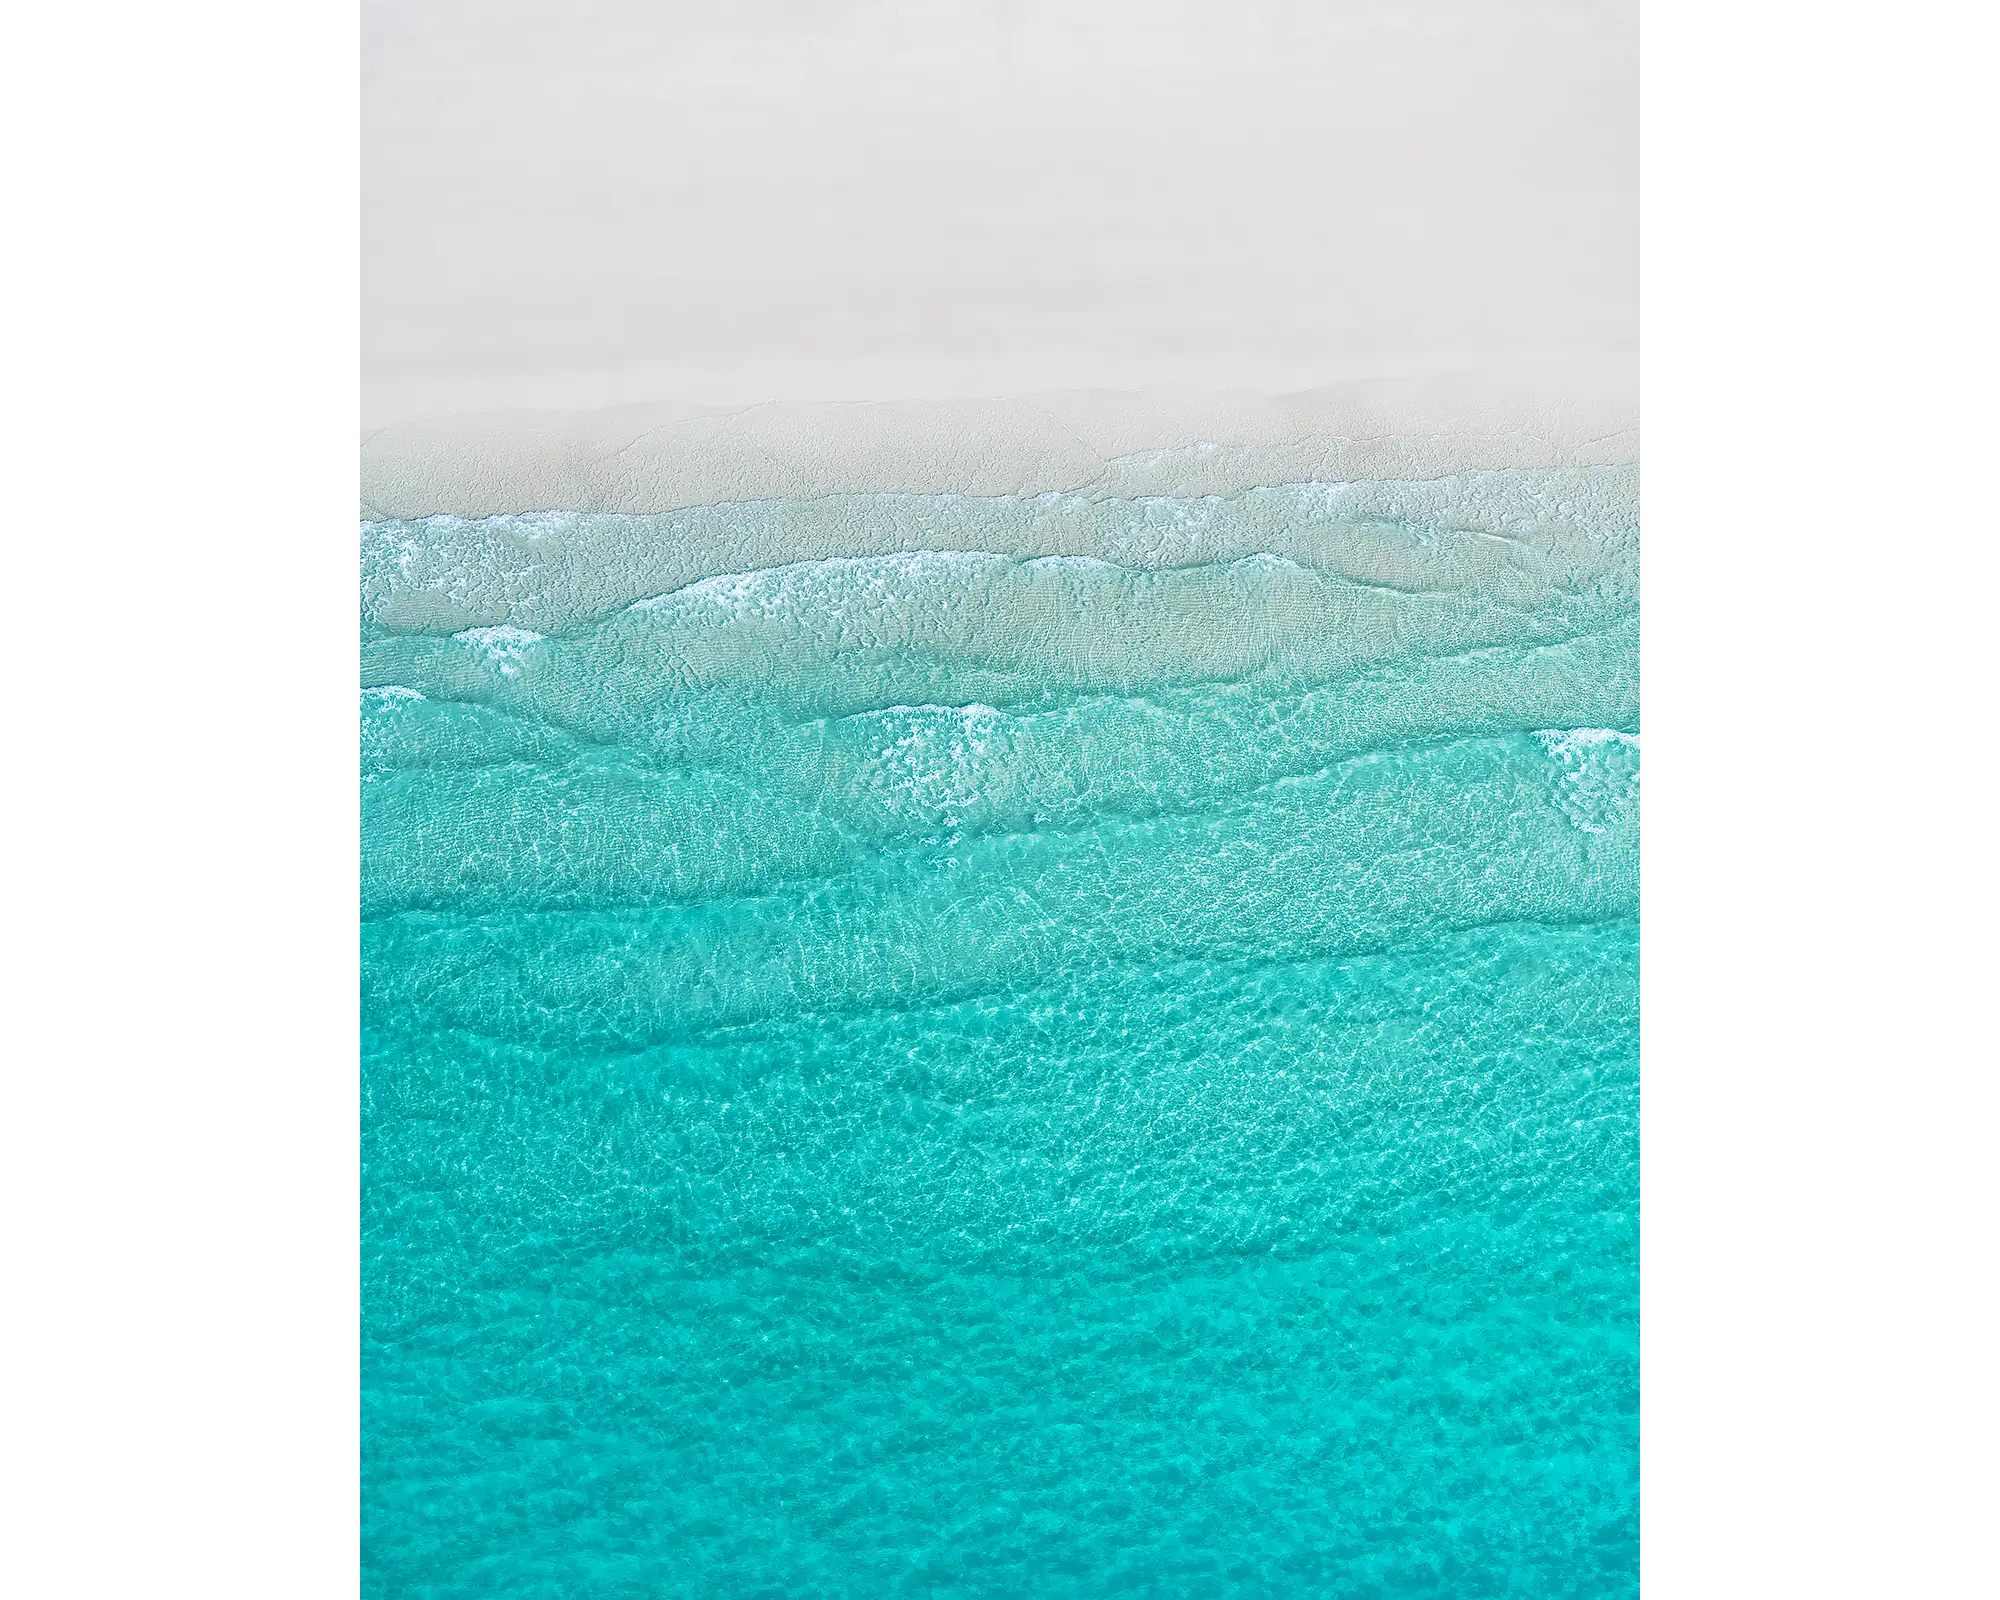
(179, 1138)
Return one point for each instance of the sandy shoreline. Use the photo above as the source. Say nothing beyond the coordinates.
(1202, 250)
(1160, 441)
(546, 521)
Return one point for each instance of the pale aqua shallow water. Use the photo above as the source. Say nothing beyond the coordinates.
(960, 1071)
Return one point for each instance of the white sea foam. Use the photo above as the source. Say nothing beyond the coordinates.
(1566, 743)
(1070, 563)
(501, 638)
(1265, 559)
(1599, 786)
(502, 646)
(771, 591)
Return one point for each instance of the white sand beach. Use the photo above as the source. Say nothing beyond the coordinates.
(788, 248)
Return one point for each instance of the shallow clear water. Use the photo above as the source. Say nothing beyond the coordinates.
(1056, 1047)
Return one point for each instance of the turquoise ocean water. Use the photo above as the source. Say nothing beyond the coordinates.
(1057, 1047)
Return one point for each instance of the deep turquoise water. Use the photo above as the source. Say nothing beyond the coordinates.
(947, 1069)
